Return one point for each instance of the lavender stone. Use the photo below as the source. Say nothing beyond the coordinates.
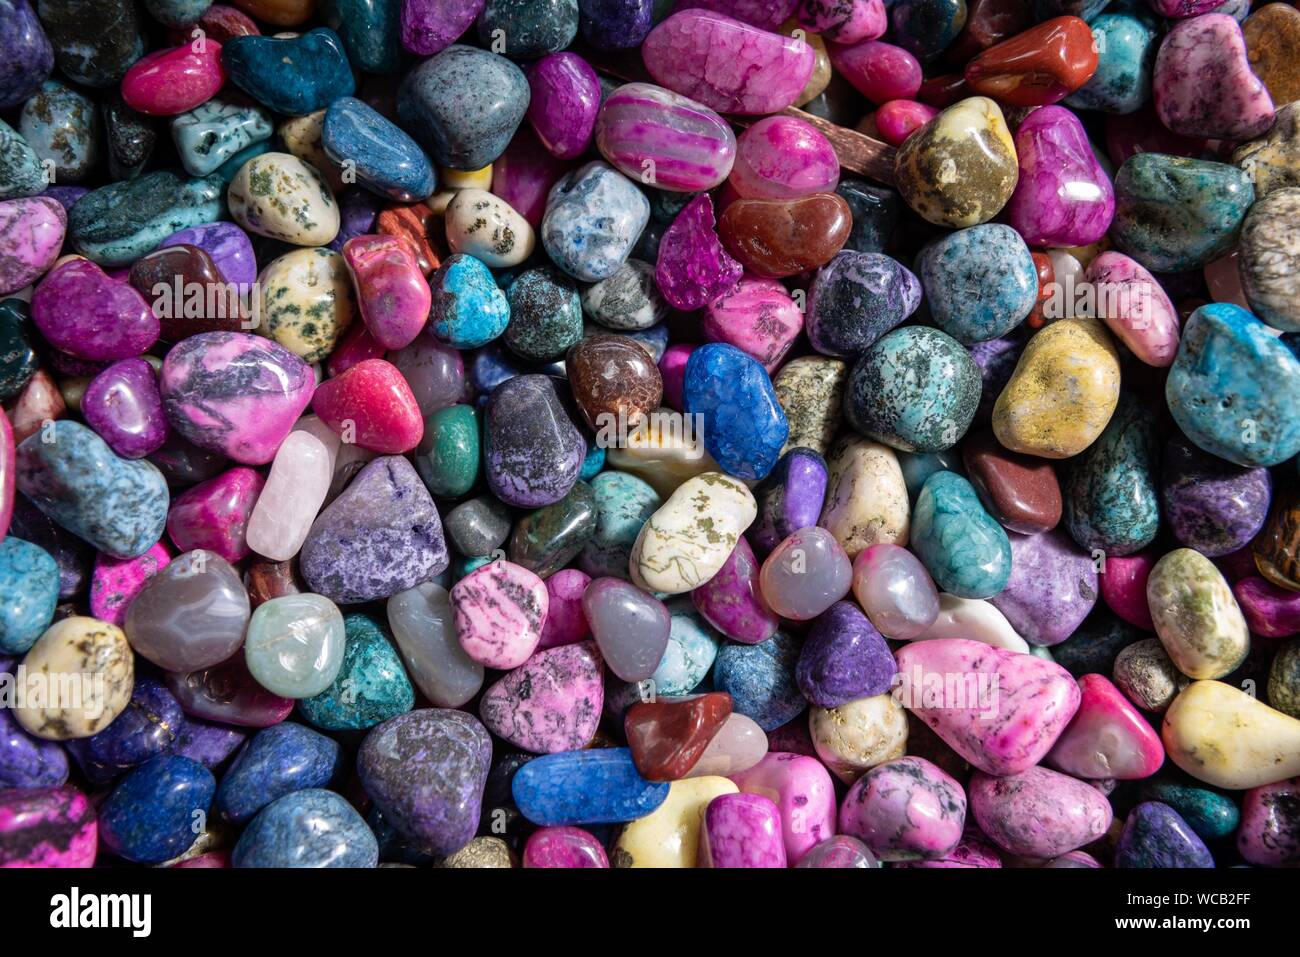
(790, 498)
(532, 450)
(1212, 505)
(843, 658)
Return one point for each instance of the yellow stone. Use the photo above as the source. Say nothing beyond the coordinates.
(866, 497)
(74, 681)
(663, 450)
(810, 390)
(302, 137)
(855, 737)
(689, 538)
(279, 196)
(1197, 617)
(465, 179)
(670, 835)
(1062, 393)
(821, 74)
(307, 302)
(1228, 739)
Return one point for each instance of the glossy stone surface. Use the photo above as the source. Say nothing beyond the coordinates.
(1111, 501)
(215, 514)
(906, 809)
(965, 550)
(1042, 65)
(424, 629)
(1203, 84)
(1267, 255)
(82, 311)
(1268, 835)
(169, 81)
(371, 685)
(1226, 738)
(896, 591)
(667, 737)
(731, 600)
(278, 761)
(596, 786)
(867, 500)
(681, 145)
(1155, 836)
(565, 847)
(1021, 492)
(207, 594)
(688, 539)
(228, 694)
(532, 450)
(29, 55)
(1038, 813)
(488, 228)
(29, 592)
(292, 75)
(693, 269)
(547, 539)
(742, 423)
(980, 282)
(428, 26)
(593, 218)
(1108, 737)
(1196, 616)
(500, 608)
(124, 406)
(776, 238)
(631, 628)
(386, 160)
(1274, 550)
(1135, 308)
(371, 405)
(468, 309)
(856, 298)
(27, 763)
(149, 816)
(294, 646)
(309, 828)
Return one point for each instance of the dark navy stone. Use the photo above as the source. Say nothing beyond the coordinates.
(761, 680)
(597, 786)
(742, 424)
(790, 498)
(158, 810)
(29, 590)
(394, 846)
(370, 30)
(527, 29)
(18, 359)
(95, 41)
(844, 658)
(311, 828)
(616, 24)
(177, 13)
(26, 57)
(387, 161)
(876, 211)
(1155, 835)
(856, 298)
(292, 76)
(146, 728)
(1210, 814)
(279, 760)
(1093, 646)
(488, 367)
(27, 761)
(980, 283)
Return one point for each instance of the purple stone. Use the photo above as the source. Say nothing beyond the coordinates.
(64, 364)
(435, 373)
(65, 196)
(905, 810)
(124, 406)
(730, 600)
(790, 498)
(742, 830)
(430, 26)
(228, 245)
(26, 57)
(1155, 835)
(358, 210)
(974, 850)
(1064, 197)
(768, 14)
(565, 101)
(843, 658)
(1053, 586)
(214, 515)
(82, 311)
(693, 268)
(146, 728)
(1270, 611)
(532, 450)
(996, 359)
(1211, 505)
(206, 742)
(426, 770)
(25, 761)
(615, 24)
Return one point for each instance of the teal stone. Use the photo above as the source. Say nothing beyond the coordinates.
(210, 134)
(29, 591)
(18, 359)
(1126, 44)
(62, 127)
(623, 504)
(692, 649)
(916, 390)
(21, 171)
(545, 315)
(980, 282)
(228, 170)
(592, 464)
(469, 309)
(547, 539)
(371, 686)
(528, 29)
(925, 28)
(115, 225)
(117, 505)
(1111, 496)
(462, 565)
(919, 466)
(291, 75)
(450, 455)
(177, 13)
(370, 31)
(966, 552)
(1210, 814)
(1174, 214)
(1234, 388)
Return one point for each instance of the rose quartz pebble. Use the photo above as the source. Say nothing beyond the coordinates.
(1123, 585)
(1038, 813)
(741, 830)
(1135, 308)
(1270, 611)
(31, 235)
(371, 405)
(1268, 836)
(115, 581)
(176, 80)
(1223, 278)
(730, 601)
(905, 810)
(802, 790)
(672, 369)
(1107, 738)
(391, 290)
(739, 745)
(565, 620)
(844, 21)
(564, 846)
(972, 851)
(726, 64)
(894, 589)
(214, 514)
(1000, 710)
(565, 97)
(500, 609)
(294, 492)
(551, 703)
(805, 574)
(82, 311)
(524, 174)
(758, 317)
(631, 627)
(840, 852)
(899, 119)
(879, 71)
(783, 157)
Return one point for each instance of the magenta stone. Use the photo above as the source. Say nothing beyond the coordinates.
(500, 608)
(841, 852)
(664, 139)
(741, 830)
(783, 157)
(124, 406)
(566, 622)
(565, 846)
(802, 790)
(214, 514)
(80, 310)
(767, 14)
(1270, 611)
(879, 71)
(905, 810)
(430, 26)
(730, 600)
(974, 850)
(899, 119)
(672, 369)
(31, 235)
(115, 581)
(551, 703)
(1108, 739)
(1038, 813)
(1269, 835)
(524, 174)
(844, 21)
(757, 316)
(565, 100)
(693, 268)
(47, 827)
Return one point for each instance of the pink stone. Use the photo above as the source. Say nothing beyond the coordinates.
(879, 71)
(1108, 738)
(176, 80)
(730, 601)
(783, 157)
(371, 406)
(672, 369)
(1038, 813)
(47, 827)
(1203, 83)
(565, 621)
(1123, 583)
(500, 610)
(551, 703)
(758, 317)
(291, 498)
(1000, 710)
(564, 102)
(739, 745)
(844, 21)
(1178, 9)
(1223, 277)
(802, 790)
(1270, 611)
(741, 830)
(727, 64)
(31, 235)
(1267, 836)
(80, 310)
(429, 26)
(391, 290)
(214, 514)
(974, 850)
(115, 581)
(524, 174)
(899, 119)
(566, 847)
(904, 810)
(357, 345)
(228, 694)
(693, 269)
(1135, 308)
(40, 401)
(767, 14)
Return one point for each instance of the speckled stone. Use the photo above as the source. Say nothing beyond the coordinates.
(1211, 505)
(62, 128)
(856, 298)
(115, 225)
(29, 58)
(29, 591)
(1210, 814)
(27, 762)
(311, 828)
(1110, 496)
(551, 703)
(593, 218)
(292, 75)
(1269, 259)
(761, 679)
(980, 282)
(905, 809)
(1155, 835)
(811, 392)
(279, 760)
(149, 817)
(371, 686)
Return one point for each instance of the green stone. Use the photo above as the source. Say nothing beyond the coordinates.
(1210, 814)
(371, 686)
(1284, 678)
(449, 456)
(546, 540)
(18, 359)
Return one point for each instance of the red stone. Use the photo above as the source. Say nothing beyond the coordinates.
(775, 238)
(988, 22)
(187, 293)
(220, 23)
(371, 406)
(943, 91)
(1046, 276)
(266, 580)
(1020, 491)
(417, 224)
(667, 737)
(1042, 65)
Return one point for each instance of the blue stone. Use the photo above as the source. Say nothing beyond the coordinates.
(463, 105)
(1110, 495)
(292, 76)
(593, 218)
(387, 161)
(370, 31)
(856, 298)
(925, 28)
(980, 282)
(528, 29)
(1234, 388)
(1126, 53)
(1155, 835)
(117, 224)
(761, 679)
(311, 828)
(279, 760)
(29, 590)
(176, 13)
(21, 172)
(654, 339)
(623, 504)
(62, 128)
(790, 498)
(742, 423)
(592, 464)
(371, 686)
(158, 810)
(469, 309)
(692, 649)
(488, 368)
(145, 729)
(26, 761)
(207, 742)
(117, 505)
(966, 552)
(214, 132)
(597, 786)
(919, 466)
(616, 24)
(28, 57)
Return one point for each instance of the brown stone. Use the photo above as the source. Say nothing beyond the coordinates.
(1273, 48)
(1277, 546)
(1020, 491)
(266, 580)
(667, 737)
(39, 400)
(281, 13)
(776, 238)
(613, 380)
(187, 292)
(1042, 65)
(988, 22)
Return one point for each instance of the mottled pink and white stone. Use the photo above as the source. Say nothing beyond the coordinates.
(802, 790)
(1038, 813)
(115, 581)
(1134, 307)
(783, 157)
(972, 851)
(31, 235)
(741, 830)
(1108, 737)
(904, 810)
(1269, 834)
(844, 21)
(47, 827)
(758, 316)
(550, 703)
(500, 610)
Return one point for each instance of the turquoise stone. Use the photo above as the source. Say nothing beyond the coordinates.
(29, 590)
(117, 505)
(623, 504)
(1110, 496)
(62, 127)
(1210, 814)
(469, 309)
(546, 539)
(21, 172)
(1173, 213)
(386, 161)
(966, 552)
(692, 649)
(1126, 45)
(228, 170)
(592, 464)
(115, 225)
(980, 282)
(210, 134)
(371, 686)
(176, 13)
(370, 31)
(1234, 387)
(462, 566)
(294, 76)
